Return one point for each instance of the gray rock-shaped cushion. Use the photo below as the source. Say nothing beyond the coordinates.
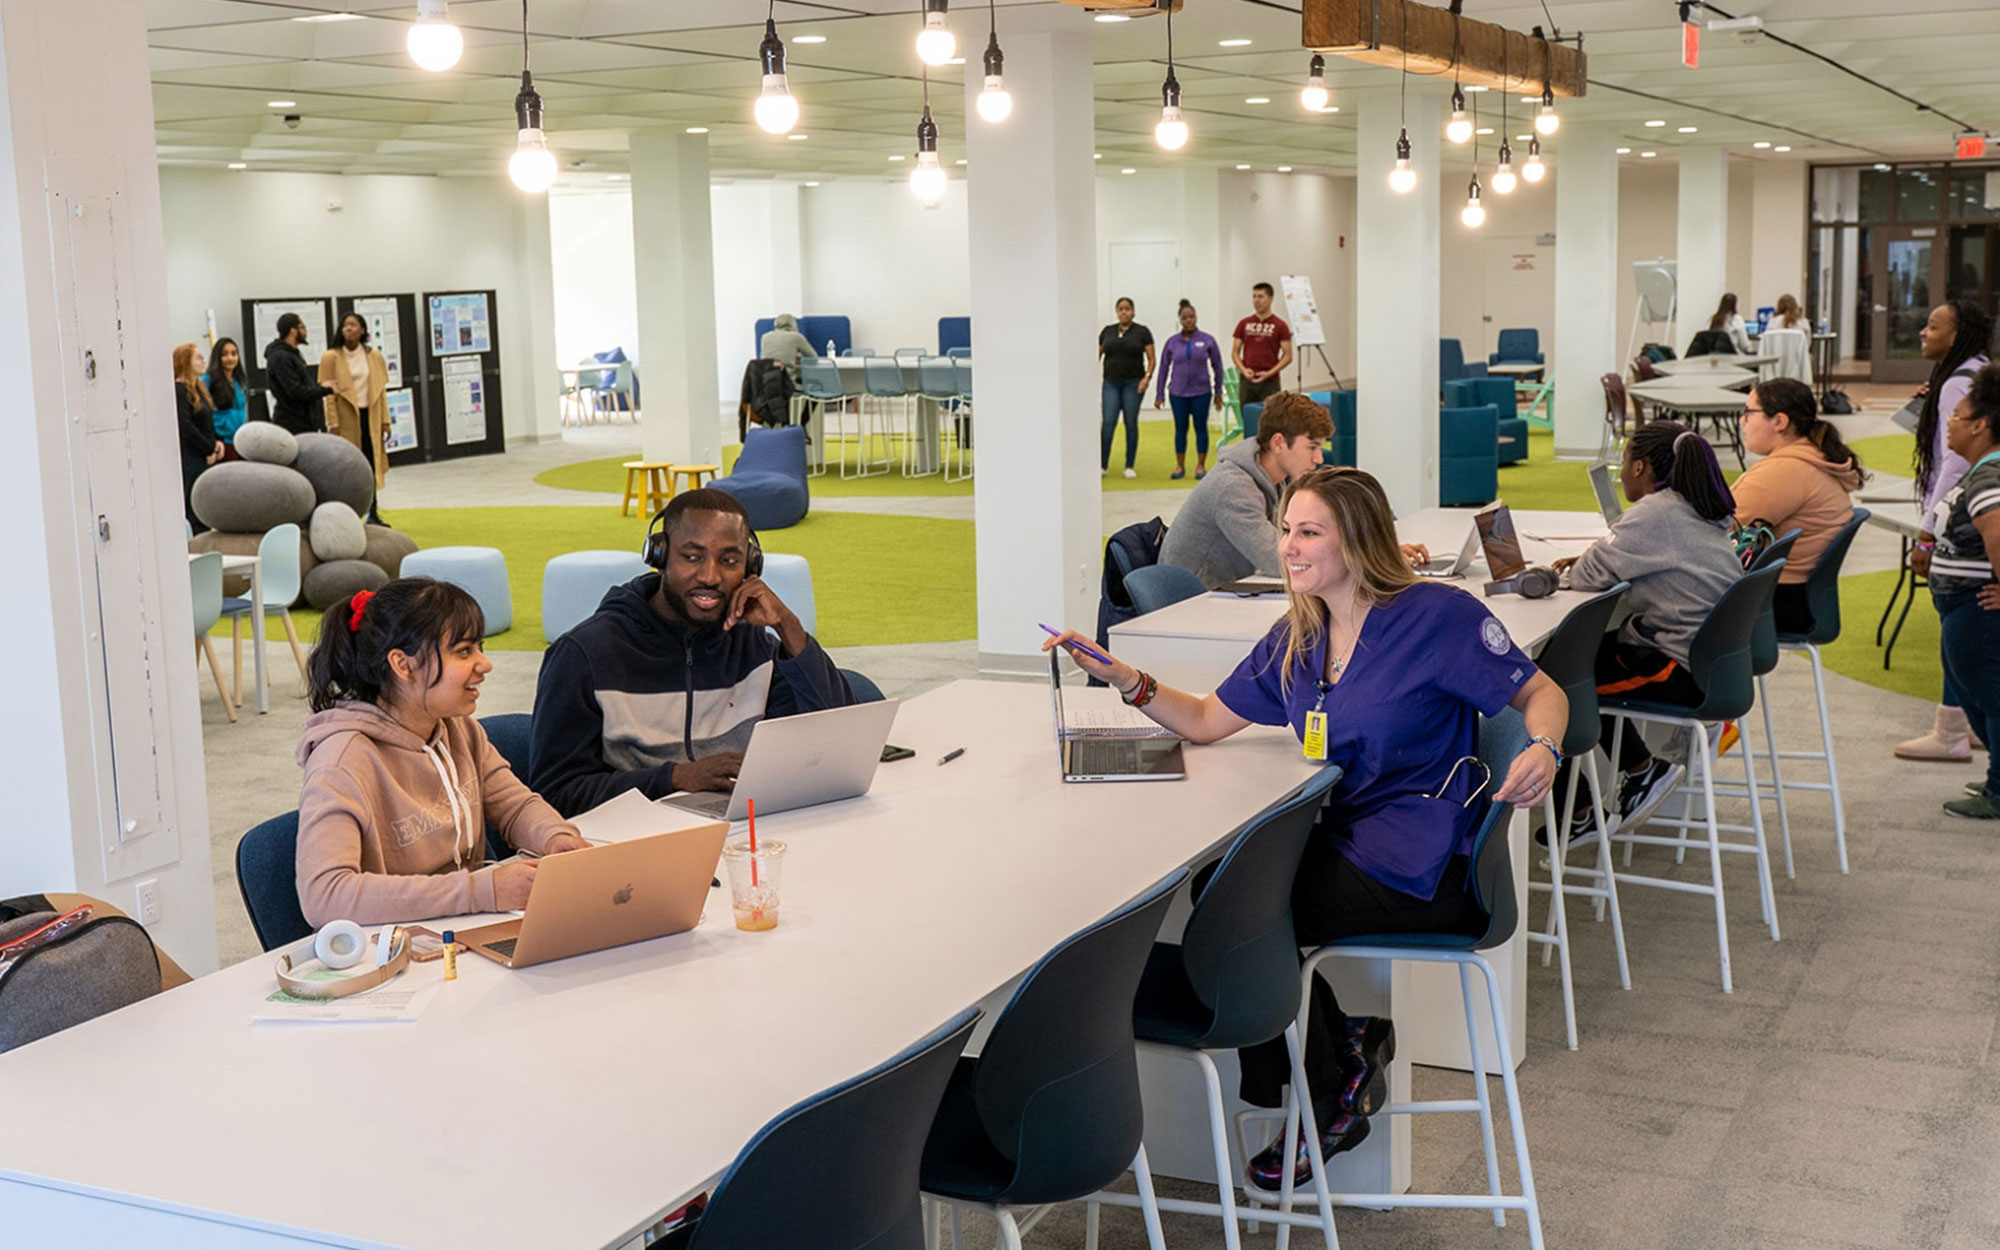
(337, 534)
(237, 585)
(331, 582)
(337, 470)
(244, 497)
(387, 547)
(266, 442)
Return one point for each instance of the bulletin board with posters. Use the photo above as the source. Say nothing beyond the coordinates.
(458, 393)
(394, 330)
(260, 328)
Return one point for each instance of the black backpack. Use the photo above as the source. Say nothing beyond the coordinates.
(1137, 546)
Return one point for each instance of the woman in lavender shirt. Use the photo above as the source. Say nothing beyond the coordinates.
(1191, 372)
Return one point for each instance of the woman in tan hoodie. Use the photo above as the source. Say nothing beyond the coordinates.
(1803, 481)
(400, 780)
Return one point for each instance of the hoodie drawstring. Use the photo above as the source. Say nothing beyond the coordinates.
(448, 774)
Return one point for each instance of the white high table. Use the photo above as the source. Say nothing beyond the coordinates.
(253, 568)
(927, 420)
(572, 1104)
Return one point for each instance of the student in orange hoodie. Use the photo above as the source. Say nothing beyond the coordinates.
(400, 780)
(1803, 482)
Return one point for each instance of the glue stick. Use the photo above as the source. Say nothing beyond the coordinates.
(450, 955)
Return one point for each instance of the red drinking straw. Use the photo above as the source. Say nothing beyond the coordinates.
(753, 844)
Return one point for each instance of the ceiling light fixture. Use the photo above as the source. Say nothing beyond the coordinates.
(238, 165)
(1686, 130)
(1546, 121)
(1314, 96)
(697, 130)
(1504, 179)
(798, 136)
(281, 104)
(1402, 179)
(1128, 171)
(434, 41)
(935, 42)
(1656, 122)
(1649, 155)
(1284, 169)
(1474, 213)
(1257, 99)
(1459, 128)
(1781, 148)
(995, 105)
(809, 39)
(927, 178)
(1624, 151)
(1232, 43)
(1762, 143)
(777, 108)
(1113, 17)
(1483, 130)
(1242, 167)
(1533, 169)
(812, 184)
(1171, 133)
(533, 166)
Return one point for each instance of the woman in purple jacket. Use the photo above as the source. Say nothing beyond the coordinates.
(1182, 360)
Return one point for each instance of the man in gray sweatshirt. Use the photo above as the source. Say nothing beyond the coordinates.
(1228, 528)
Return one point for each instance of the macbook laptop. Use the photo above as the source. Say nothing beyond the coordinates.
(1113, 744)
(605, 896)
(1494, 525)
(1457, 565)
(802, 761)
(1606, 490)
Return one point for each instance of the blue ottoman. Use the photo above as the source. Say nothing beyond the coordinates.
(481, 571)
(792, 578)
(573, 584)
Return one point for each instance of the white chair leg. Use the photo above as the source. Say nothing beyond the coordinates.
(1558, 825)
(1149, 1202)
(1479, 1088)
(1010, 1231)
(1610, 900)
(931, 1232)
(1766, 895)
(1617, 747)
(957, 1226)
(1516, 1119)
(1225, 1174)
(1715, 860)
(1295, 1048)
(1832, 769)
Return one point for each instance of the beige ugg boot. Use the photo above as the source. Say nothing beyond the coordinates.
(1949, 741)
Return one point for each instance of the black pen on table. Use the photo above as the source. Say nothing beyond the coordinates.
(951, 755)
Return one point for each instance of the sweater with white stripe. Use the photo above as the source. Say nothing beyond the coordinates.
(627, 694)
(1960, 563)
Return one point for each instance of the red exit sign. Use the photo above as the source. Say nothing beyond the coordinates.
(1691, 45)
(1971, 147)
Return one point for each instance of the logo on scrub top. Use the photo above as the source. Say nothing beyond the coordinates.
(1494, 635)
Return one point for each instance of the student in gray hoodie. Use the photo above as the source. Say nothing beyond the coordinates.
(1673, 546)
(400, 781)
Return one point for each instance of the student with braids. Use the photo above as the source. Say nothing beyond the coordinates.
(1673, 546)
(400, 779)
(1803, 482)
(1955, 340)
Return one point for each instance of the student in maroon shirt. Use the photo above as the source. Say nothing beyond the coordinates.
(1262, 349)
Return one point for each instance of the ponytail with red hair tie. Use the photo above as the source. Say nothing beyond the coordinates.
(355, 607)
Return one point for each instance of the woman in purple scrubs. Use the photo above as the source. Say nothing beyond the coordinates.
(1385, 675)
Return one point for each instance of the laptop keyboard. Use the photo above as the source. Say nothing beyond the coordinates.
(1092, 757)
(503, 948)
(712, 803)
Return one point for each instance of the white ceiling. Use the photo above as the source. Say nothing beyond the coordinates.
(607, 67)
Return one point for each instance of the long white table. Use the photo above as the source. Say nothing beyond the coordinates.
(572, 1104)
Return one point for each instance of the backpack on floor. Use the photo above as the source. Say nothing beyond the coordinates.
(58, 969)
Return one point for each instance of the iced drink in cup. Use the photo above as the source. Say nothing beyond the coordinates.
(753, 882)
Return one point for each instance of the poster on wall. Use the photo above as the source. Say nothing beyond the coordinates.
(264, 316)
(402, 421)
(385, 333)
(1301, 311)
(464, 401)
(460, 323)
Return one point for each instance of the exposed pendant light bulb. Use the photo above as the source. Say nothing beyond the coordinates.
(1503, 174)
(777, 108)
(936, 45)
(1172, 132)
(1314, 96)
(1403, 179)
(995, 105)
(1459, 128)
(927, 179)
(1474, 213)
(1534, 169)
(533, 166)
(1546, 121)
(434, 42)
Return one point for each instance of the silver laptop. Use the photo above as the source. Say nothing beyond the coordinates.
(1606, 490)
(1118, 744)
(1457, 565)
(803, 760)
(1493, 525)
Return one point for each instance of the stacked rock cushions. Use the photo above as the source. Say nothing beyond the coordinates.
(322, 483)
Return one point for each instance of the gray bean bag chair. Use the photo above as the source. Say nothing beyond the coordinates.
(387, 547)
(244, 497)
(337, 470)
(267, 443)
(337, 534)
(331, 582)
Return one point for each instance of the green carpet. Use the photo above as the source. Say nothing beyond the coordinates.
(1889, 453)
(1918, 671)
(1541, 483)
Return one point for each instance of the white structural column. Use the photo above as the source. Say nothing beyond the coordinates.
(100, 749)
(1032, 220)
(675, 280)
(787, 250)
(1590, 328)
(1396, 301)
(1701, 238)
(539, 405)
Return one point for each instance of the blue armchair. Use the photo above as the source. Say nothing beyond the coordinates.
(1341, 405)
(1468, 468)
(1499, 392)
(769, 477)
(954, 333)
(1451, 363)
(1519, 346)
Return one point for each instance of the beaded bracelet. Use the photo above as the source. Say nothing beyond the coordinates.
(1142, 691)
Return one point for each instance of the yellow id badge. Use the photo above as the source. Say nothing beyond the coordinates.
(1315, 739)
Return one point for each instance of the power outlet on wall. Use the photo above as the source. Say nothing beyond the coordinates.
(149, 902)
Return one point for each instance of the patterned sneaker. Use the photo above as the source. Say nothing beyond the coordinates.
(1365, 1055)
(1266, 1171)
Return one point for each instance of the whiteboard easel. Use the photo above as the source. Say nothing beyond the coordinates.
(1302, 314)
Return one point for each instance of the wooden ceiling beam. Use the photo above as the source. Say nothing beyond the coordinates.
(1136, 8)
(1394, 33)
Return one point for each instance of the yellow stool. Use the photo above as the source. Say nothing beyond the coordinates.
(647, 481)
(693, 473)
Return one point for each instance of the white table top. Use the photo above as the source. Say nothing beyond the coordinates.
(1728, 379)
(1689, 398)
(230, 564)
(1516, 369)
(1698, 364)
(571, 1104)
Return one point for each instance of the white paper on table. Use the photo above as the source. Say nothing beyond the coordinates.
(631, 815)
(400, 1001)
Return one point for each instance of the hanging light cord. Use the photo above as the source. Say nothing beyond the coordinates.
(992, 23)
(524, 34)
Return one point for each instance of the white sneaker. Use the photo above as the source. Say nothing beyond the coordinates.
(1131, 473)
(1104, 473)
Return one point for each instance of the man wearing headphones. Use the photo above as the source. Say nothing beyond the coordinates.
(659, 689)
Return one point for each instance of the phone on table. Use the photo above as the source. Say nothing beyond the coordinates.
(425, 945)
(891, 753)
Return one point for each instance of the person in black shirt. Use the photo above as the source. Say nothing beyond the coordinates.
(1126, 347)
(295, 396)
(195, 412)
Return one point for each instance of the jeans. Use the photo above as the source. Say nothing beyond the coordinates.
(1120, 398)
(1971, 645)
(1190, 408)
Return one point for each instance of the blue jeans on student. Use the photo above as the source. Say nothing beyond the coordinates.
(1120, 399)
(1190, 408)
(1971, 645)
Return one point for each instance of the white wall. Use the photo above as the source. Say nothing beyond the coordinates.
(234, 235)
(1648, 198)
(596, 303)
(1273, 224)
(1777, 231)
(872, 252)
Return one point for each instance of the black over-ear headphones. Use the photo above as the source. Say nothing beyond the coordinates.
(654, 551)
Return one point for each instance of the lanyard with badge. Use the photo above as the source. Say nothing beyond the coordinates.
(1314, 739)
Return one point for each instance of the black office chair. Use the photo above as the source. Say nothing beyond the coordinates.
(1569, 658)
(837, 1171)
(1233, 979)
(267, 860)
(1049, 1111)
(1491, 881)
(1721, 661)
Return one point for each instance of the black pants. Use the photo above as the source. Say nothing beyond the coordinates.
(1789, 608)
(191, 468)
(368, 450)
(1334, 899)
(1647, 672)
(1248, 392)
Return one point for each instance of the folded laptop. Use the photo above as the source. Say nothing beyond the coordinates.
(606, 896)
(1119, 744)
(1606, 491)
(802, 761)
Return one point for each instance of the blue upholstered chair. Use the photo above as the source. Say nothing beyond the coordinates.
(1160, 586)
(769, 478)
(1342, 405)
(819, 331)
(267, 875)
(1468, 460)
(1451, 363)
(1499, 392)
(791, 579)
(1518, 346)
(954, 333)
(573, 584)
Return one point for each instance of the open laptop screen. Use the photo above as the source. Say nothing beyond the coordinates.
(1503, 546)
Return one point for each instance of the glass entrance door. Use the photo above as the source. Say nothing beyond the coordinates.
(1909, 279)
